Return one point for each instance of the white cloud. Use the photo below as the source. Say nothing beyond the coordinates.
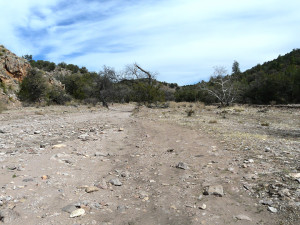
(182, 40)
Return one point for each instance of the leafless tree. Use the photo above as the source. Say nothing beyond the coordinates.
(135, 71)
(221, 86)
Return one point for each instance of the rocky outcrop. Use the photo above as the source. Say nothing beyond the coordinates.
(13, 69)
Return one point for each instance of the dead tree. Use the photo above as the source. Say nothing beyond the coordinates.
(221, 86)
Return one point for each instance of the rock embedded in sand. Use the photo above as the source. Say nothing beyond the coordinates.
(77, 213)
(115, 182)
(91, 189)
(182, 165)
(214, 190)
(243, 217)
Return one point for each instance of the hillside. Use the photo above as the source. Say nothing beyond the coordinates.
(277, 80)
(273, 82)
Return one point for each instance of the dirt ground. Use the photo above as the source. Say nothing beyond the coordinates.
(129, 165)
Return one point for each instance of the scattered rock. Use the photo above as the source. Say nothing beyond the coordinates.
(250, 177)
(37, 132)
(182, 165)
(115, 182)
(83, 137)
(102, 184)
(91, 189)
(243, 217)
(121, 129)
(294, 175)
(249, 161)
(77, 213)
(125, 174)
(100, 154)
(27, 180)
(59, 146)
(214, 190)
(267, 149)
(272, 209)
(266, 202)
(69, 208)
(11, 167)
(8, 215)
(45, 177)
(284, 192)
(203, 206)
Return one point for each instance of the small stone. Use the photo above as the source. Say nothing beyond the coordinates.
(249, 161)
(203, 206)
(266, 202)
(294, 175)
(27, 180)
(272, 209)
(42, 145)
(102, 184)
(125, 174)
(69, 208)
(100, 154)
(83, 137)
(250, 177)
(8, 216)
(37, 132)
(91, 189)
(243, 217)
(115, 182)
(59, 146)
(214, 190)
(45, 177)
(11, 167)
(77, 212)
(182, 165)
(200, 197)
(121, 129)
(267, 149)
(284, 192)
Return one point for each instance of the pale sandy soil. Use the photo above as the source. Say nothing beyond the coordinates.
(49, 156)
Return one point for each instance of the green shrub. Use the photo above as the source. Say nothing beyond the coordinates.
(57, 95)
(34, 87)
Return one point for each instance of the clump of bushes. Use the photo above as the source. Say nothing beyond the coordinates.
(36, 89)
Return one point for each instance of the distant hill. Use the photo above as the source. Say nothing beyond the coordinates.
(274, 81)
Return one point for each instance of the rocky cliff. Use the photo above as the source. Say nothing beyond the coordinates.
(12, 68)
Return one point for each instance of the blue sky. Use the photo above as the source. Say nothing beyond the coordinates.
(182, 40)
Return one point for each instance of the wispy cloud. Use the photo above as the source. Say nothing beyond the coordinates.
(182, 40)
